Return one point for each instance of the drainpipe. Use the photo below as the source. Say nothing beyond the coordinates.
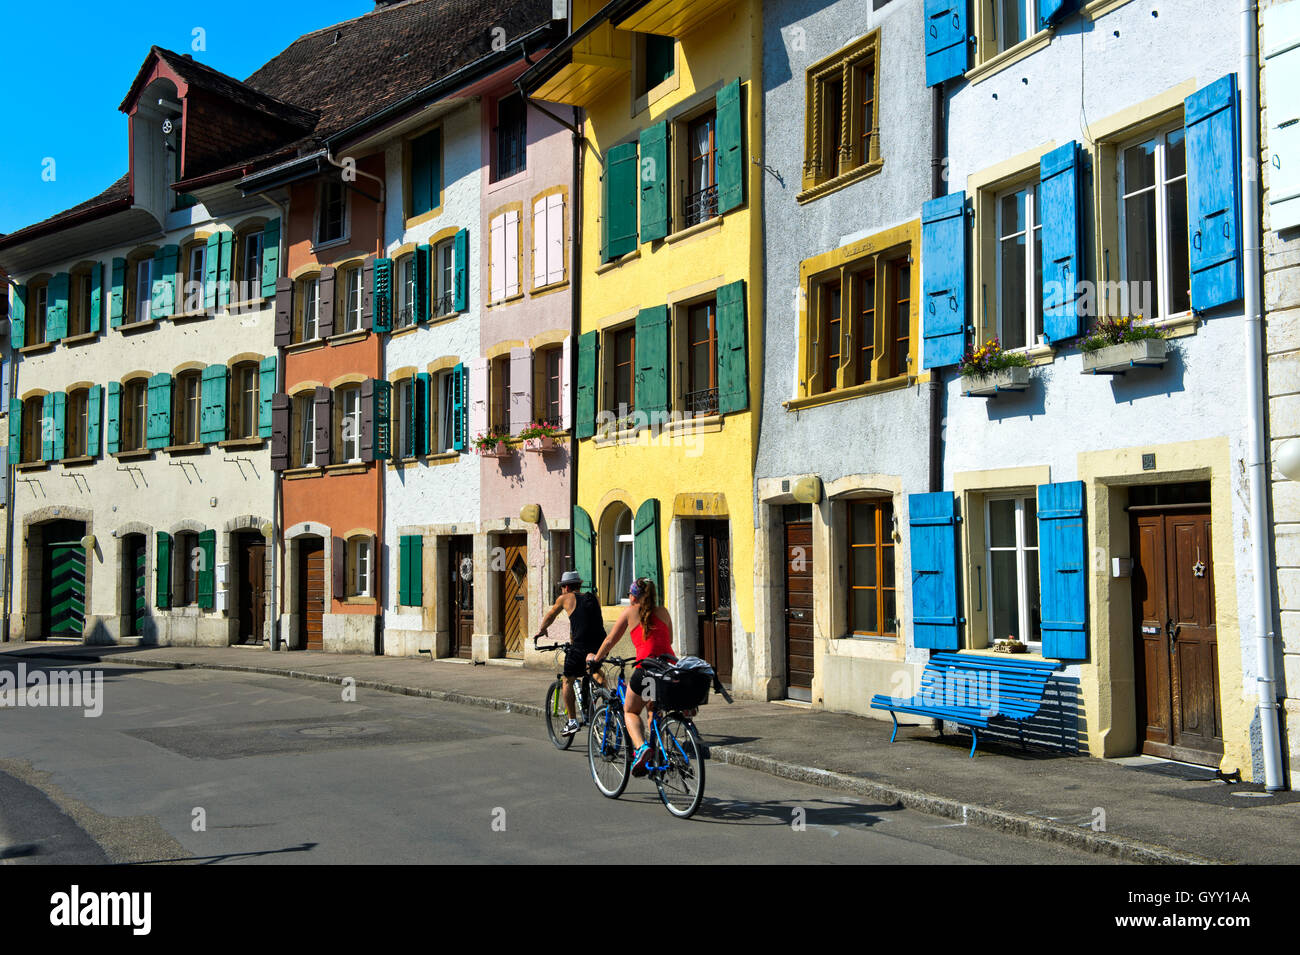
(275, 542)
(10, 484)
(938, 187)
(575, 329)
(1257, 453)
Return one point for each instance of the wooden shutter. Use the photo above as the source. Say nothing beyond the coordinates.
(94, 410)
(208, 569)
(566, 389)
(96, 298)
(932, 522)
(283, 311)
(943, 255)
(211, 264)
(323, 422)
(59, 407)
(1060, 200)
(555, 238)
(461, 293)
(4, 491)
(265, 390)
(423, 258)
(621, 196)
(945, 40)
(325, 323)
(16, 428)
(651, 386)
(497, 259)
(225, 268)
(459, 424)
(375, 436)
(56, 315)
(368, 292)
(1062, 570)
(270, 258)
(731, 148)
(17, 317)
(164, 284)
(160, 411)
(540, 243)
(654, 181)
(645, 543)
(117, 293)
(584, 547)
(382, 309)
(1050, 11)
(512, 253)
(733, 370)
(280, 432)
(521, 389)
(423, 402)
(588, 385)
(114, 417)
(46, 428)
(163, 582)
(1214, 194)
(339, 568)
(212, 414)
(411, 571)
(478, 397)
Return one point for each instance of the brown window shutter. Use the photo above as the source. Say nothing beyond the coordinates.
(279, 432)
(368, 420)
(373, 588)
(283, 311)
(324, 423)
(338, 566)
(325, 325)
(368, 292)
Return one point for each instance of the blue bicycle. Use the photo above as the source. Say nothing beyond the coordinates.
(676, 764)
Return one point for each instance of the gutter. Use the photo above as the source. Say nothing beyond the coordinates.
(938, 187)
(1257, 458)
(275, 543)
(57, 225)
(547, 65)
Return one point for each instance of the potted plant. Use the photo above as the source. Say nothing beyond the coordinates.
(988, 369)
(541, 436)
(1115, 345)
(1009, 645)
(492, 443)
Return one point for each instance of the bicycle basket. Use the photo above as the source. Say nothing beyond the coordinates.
(684, 687)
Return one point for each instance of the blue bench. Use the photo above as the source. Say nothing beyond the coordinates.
(973, 690)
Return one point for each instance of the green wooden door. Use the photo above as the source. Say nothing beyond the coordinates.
(139, 586)
(67, 589)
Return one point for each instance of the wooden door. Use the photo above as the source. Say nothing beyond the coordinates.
(713, 595)
(798, 610)
(311, 591)
(1176, 642)
(462, 597)
(514, 593)
(252, 588)
(66, 589)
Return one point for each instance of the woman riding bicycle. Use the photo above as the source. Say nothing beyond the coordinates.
(652, 636)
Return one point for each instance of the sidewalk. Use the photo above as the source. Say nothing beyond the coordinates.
(1152, 813)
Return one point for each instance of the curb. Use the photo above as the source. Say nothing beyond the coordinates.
(1031, 827)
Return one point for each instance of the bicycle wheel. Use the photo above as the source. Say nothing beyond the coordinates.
(556, 717)
(681, 785)
(608, 750)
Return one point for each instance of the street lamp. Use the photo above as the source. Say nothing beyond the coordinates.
(1287, 459)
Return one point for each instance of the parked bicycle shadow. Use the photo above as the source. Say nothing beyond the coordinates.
(786, 812)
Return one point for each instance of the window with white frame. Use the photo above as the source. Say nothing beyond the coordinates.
(404, 434)
(1154, 263)
(349, 437)
(1019, 267)
(444, 277)
(308, 317)
(1013, 22)
(143, 303)
(1011, 541)
(332, 211)
(304, 436)
(624, 540)
(359, 567)
(503, 261)
(195, 277)
(446, 424)
(352, 300)
(244, 384)
(405, 292)
(548, 240)
(250, 272)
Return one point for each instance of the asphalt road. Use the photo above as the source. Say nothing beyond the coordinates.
(217, 767)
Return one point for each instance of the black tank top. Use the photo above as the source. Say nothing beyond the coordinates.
(586, 626)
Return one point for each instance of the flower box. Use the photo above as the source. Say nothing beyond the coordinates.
(498, 450)
(541, 445)
(1117, 359)
(1014, 378)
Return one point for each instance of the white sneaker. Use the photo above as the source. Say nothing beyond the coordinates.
(570, 728)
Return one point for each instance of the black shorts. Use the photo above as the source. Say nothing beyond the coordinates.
(575, 659)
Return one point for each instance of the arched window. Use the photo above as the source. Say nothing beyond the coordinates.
(187, 402)
(242, 421)
(248, 263)
(347, 432)
(75, 421)
(139, 287)
(134, 414)
(350, 302)
(360, 566)
(616, 540)
(81, 299)
(33, 422)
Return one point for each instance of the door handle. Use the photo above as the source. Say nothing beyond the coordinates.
(1171, 630)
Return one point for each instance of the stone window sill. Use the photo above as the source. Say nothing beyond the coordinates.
(135, 455)
(508, 300)
(841, 181)
(296, 474)
(442, 457)
(241, 442)
(343, 338)
(1014, 54)
(183, 317)
(404, 330)
(37, 348)
(127, 328)
(33, 466)
(615, 263)
(708, 226)
(193, 447)
(844, 394)
(360, 601)
(310, 345)
(80, 339)
(80, 460)
(351, 467)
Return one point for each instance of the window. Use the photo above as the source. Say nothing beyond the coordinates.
(1019, 267)
(404, 437)
(548, 397)
(510, 137)
(624, 541)
(80, 303)
(499, 399)
(307, 319)
(444, 278)
(1012, 22)
(841, 132)
(352, 300)
(622, 375)
(185, 574)
(700, 197)
(426, 173)
(872, 598)
(1153, 224)
(503, 256)
(548, 240)
(332, 211)
(1011, 530)
(358, 567)
(141, 294)
(302, 451)
(405, 292)
(75, 422)
(656, 61)
(446, 399)
(250, 247)
(186, 405)
(134, 414)
(348, 438)
(196, 258)
(244, 397)
(702, 358)
(33, 429)
(38, 305)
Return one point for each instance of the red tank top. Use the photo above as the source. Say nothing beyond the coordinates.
(658, 643)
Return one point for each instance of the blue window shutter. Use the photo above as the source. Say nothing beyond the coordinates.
(945, 40)
(211, 268)
(6, 367)
(1062, 571)
(159, 433)
(16, 428)
(270, 257)
(459, 421)
(1051, 11)
(1214, 194)
(94, 410)
(460, 295)
(423, 391)
(46, 429)
(96, 297)
(382, 316)
(114, 417)
(56, 316)
(165, 261)
(212, 409)
(1059, 193)
(265, 391)
(932, 522)
(943, 258)
(117, 293)
(17, 316)
(58, 425)
(226, 267)
(423, 256)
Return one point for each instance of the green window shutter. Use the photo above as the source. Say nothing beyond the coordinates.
(159, 434)
(17, 316)
(117, 293)
(733, 371)
(651, 382)
(460, 294)
(459, 421)
(56, 316)
(270, 257)
(16, 428)
(207, 570)
(58, 426)
(211, 270)
(404, 571)
(225, 269)
(423, 256)
(164, 283)
(731, 152)
(411, 571)
(163, 557)
(621, 182)
(426, 175)
(47, 428)
(645, 543)
(654, 182)
(94, 409)
(114, 417)
(212, 413)
(96, 298)
(265, 391)
(588, 386)
(383, 296)
(584, 548)
(423, 389)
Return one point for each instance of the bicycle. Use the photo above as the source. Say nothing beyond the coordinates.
(556, 715)
(676, 763)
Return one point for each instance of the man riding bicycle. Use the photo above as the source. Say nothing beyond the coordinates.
(586, 633)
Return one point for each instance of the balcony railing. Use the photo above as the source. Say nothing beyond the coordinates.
(444, 304)
(405, 315)
(703, 402)
(701, 206)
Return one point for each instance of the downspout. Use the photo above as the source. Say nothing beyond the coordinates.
(938, 187)
(575, 305)
(10, 484)
(1257, 454)
(277, 586)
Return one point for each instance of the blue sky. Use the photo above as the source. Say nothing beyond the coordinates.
(65, 80)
